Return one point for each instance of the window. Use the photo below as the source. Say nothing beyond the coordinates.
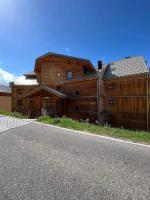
(31, 101)
(77, 108)
(58, 74)
(112, 100)
(19, 91)
(112, 87)
(19, 102)
(69, 75)
(77, 93)
(86, 71)
(59, 88)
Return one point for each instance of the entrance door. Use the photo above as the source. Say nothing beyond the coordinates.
(31, 109)
(48, 106)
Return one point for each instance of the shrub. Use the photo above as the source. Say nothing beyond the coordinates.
(141, 136)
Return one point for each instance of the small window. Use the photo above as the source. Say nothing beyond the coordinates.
(59, 88)
(112, 87)
(77, 93)
(69, 75)
(112, 100)
(31, 101)
(19, 91)
(77, 108)
(19, 103)
(58, 74)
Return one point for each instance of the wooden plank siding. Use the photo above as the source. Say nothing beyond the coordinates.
(52, 72)
(87, 100)
(49, 67)
(120, 102)
(125, 99)
(16, 96)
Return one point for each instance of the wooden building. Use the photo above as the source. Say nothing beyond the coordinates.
(5, 98)
(117, 93)
(125, 99)
(65, 85)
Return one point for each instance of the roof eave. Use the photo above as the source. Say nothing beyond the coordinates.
(62, 55)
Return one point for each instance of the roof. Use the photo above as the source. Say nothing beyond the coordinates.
(5, 89)
(125, 67)
(47, 89)
(63, 56)
(22, 80)
(31, 73)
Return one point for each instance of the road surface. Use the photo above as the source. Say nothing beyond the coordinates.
(38, 162)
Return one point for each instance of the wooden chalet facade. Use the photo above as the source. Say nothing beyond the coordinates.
(65, 86)
(125, 99)
(117, 94)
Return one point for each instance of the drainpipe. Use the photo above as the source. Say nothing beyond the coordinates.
(98, 118)
(147, 100)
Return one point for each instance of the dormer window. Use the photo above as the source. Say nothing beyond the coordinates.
(69, 75)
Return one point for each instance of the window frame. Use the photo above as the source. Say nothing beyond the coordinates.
(19, 102)
(19, 91)
(77, 110)
(59, 88)
(69, 77)
(112, 100)
(58, 74)
(77, 95)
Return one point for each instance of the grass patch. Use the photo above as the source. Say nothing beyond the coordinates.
(11, 114)
(136, 136)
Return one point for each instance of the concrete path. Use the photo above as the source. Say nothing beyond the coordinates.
(46, 163)
(7, 123)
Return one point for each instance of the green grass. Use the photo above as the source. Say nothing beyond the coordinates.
(136, 136)
(11, 114)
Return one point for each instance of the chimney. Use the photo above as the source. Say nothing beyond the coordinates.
(127, 57)
(100, 64)
(11, 84)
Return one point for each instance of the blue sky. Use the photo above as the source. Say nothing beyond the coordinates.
(105, 30)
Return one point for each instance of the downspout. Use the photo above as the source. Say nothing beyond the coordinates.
(11, 85)
(98, 118)
(147, 100)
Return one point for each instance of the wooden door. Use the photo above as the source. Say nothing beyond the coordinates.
(49, 104)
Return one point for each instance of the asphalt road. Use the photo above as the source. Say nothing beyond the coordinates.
(45, 163)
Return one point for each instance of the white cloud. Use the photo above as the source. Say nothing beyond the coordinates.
(6, 77)
(23, 81)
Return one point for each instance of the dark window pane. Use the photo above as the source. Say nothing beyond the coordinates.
(19, 102)
(59, 88)
(77, 93)
(77, 108)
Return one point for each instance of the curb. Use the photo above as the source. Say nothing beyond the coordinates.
(94, 135)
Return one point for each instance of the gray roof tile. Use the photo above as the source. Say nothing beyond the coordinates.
(125, 67)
